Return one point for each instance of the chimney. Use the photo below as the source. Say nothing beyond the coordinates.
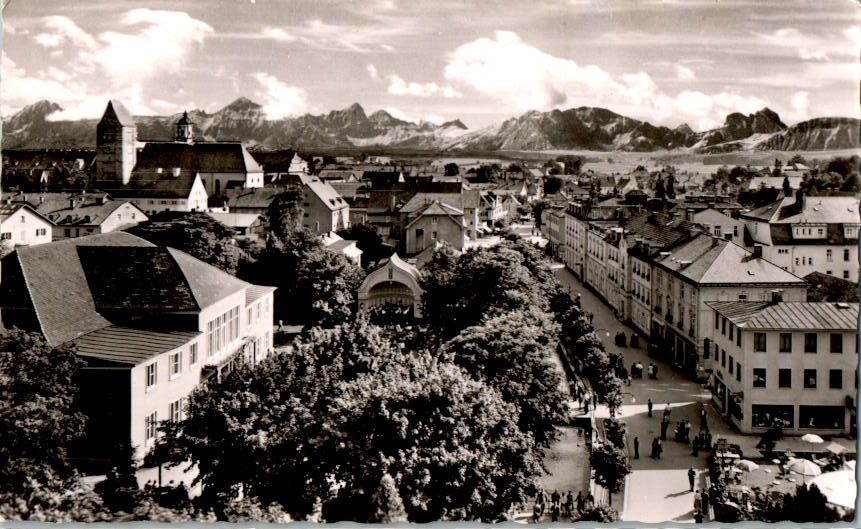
(757, 251)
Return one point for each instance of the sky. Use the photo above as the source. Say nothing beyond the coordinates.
(665, 61)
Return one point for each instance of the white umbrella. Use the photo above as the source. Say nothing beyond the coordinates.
(838, 487)
(803, 467)
(836, 448)
(747, 466)
(812, 438)
(850, 465)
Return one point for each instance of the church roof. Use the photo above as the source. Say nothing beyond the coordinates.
(203, 157)
(184, 120)
(122, 114)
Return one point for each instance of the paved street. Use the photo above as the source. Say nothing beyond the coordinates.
(657, 490)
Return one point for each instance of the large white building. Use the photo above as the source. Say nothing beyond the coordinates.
(151, 324)
(809, 234)
(789, 364)
(22, 225)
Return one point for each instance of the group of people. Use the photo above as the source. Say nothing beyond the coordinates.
(584, 398)
(560, 504)
(702, 505)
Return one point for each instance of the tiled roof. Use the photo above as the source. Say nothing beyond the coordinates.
(208, 284)
(204, 157)
(658, 229)
(58, 286)
(829, 210)
(465, 199)
(791, 316)
(255, 292)
(128, 346)
(88, 212)
(142, 278)
(7, 210)
(327, 194)
(258, 197)
(708, 260)
(235, 220)
(153, 184)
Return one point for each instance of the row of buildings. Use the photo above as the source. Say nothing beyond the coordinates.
(710, 286)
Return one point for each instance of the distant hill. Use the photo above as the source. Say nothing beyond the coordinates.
(586, 128)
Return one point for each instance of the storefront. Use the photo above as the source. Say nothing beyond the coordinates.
(771, 415)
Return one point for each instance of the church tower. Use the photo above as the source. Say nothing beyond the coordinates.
(116, 153)
(184, 130)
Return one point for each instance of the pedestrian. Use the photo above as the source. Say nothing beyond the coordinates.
(586, 406)
(636, 448)
(698, 517)
(554, 513)
(649, 404)
(569, 503)
(555, 497)
(595, 400)
(692, 476)
(705, 502)
(698, 502)
(667, 410)
(654, 448)
(664, 425)
(660, 449)
(536, 513)
(655, 372)
(696, 444)
(580, 501)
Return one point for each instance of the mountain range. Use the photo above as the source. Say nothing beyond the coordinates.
(583, 128)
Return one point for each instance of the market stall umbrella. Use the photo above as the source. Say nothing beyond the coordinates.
(803, 467)
(812, 438)
(850, 465)
(838, 487)
(836, 448)
(746, 465)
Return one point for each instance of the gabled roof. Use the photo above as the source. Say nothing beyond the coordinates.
(708, 260)
(203, 157)
(87, 212)
(327, 194)
(657, 229)
(255, 292)
(7, 210)
(437, 208)
(468, 198)
(253, 198)
(208, 284)
(119, 110)
(815, 210)
(790, 316)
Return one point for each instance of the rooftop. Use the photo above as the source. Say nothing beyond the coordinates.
(790, 316)
(128, 346)
(326, 194)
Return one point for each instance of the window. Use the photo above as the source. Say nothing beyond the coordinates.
(785, 342)
(738, 371)
(717, 231)
(828, 257)
(717, 321)
(846, 274)
(248, 315)
(797, 261)
(735, 231)
(759, 342)
(809, 379)
(810, 342)
(723, 325)
(845, 254)
(784, 378)
(175, 411)
(192, 354)
(810, 261)
(835, 379)
(6, 235)
(175, 364)
(151, 375)
(731, 329)
(738, 338)
(731, 364)
(221, 330)
(433, 220)
(150, 422)
(759, 377)
(23, 219)
(836, 342)
(259, 308)
(723, 358)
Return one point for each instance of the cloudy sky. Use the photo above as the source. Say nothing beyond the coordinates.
(667, 61)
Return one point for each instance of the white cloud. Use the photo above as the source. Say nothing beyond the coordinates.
(278, 34)
(399, 87)
(684, 73)
(523, 77)
(144, 45)
(63, 30)
(436, 119)
(387, 48)
(800, 107)
(279, 99)
(398, 114)
(372, 71)
(814, 47)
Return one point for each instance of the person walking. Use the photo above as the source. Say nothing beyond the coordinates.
(580, 501)
(569, 503)
(636, 448)
(649, 404)
(698, 502)
(704, 501)
(665, 424)
(536, 513)
(692, 476)
(660, 449)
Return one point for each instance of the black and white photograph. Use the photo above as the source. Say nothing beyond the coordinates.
(407, 261)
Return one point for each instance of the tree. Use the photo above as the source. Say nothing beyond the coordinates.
(514, 168)
(386, 503)
(611, 465)
(451, 169)
(671, 186)
(537, 208)
(196, 234)
(285, 214)
(514, 352)
(660, 190)
(787, 188)
(38, 416)
(368, 240)
(552, 185)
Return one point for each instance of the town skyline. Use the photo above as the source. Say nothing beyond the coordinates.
(478, 63)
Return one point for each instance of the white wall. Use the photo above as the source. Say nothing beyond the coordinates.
(25, 228)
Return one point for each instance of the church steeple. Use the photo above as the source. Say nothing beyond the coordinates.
(184, 129)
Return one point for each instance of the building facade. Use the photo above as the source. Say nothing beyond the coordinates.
(793, 365)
